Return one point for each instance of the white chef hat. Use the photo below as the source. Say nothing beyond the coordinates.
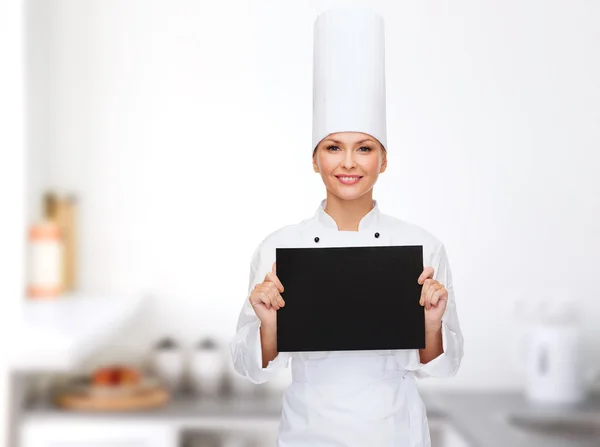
(349, 73)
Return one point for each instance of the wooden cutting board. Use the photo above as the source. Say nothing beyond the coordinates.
(146, 398)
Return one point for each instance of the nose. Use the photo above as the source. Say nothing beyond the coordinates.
(348, 162)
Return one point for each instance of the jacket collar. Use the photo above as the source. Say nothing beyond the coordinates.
(368, 222)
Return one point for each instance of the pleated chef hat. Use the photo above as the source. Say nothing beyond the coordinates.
(349, 73)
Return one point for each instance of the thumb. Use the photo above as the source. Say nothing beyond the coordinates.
(274, 269)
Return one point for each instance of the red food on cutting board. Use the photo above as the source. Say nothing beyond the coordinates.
(116, 375)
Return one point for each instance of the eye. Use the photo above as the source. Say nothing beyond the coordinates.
(368, 149)
(332, 147)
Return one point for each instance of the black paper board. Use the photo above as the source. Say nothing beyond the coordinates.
(350, 298)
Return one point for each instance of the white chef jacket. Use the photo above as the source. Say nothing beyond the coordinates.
(350, 398)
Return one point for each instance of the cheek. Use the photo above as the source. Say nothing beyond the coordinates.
(371, 165)
(327, 165)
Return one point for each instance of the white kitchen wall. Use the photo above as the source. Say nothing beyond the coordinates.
(185, 129)
(12, 194)
(40, 53)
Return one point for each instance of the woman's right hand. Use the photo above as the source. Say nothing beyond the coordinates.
(266, 299)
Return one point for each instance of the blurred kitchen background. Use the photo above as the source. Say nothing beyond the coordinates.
(149, 146)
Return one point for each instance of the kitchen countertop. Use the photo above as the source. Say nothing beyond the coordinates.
(184, 411)
(481, 418)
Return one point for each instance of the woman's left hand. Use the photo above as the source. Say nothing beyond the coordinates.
(434, 297)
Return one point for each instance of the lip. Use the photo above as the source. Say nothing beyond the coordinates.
(355, 179)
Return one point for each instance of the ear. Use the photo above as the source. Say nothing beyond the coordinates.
(314, 162)
(383, 163)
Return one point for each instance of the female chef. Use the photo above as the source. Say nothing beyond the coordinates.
(349, 398)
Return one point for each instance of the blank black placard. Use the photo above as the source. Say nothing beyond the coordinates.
(350, 298)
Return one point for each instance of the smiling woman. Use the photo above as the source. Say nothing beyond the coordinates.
(349, 164)
(349, 398)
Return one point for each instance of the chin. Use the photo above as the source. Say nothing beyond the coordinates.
(349, 195)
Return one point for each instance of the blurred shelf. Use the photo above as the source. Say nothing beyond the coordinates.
(55, 334)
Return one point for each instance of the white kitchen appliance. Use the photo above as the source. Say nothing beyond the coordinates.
(557, 369)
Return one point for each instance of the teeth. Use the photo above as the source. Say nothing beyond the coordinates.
(349, 179)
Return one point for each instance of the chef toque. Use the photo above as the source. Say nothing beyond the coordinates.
(349, 74)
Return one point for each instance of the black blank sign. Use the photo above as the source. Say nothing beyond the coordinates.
(350, 298)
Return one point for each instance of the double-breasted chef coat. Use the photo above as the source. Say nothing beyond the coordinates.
(350, 398)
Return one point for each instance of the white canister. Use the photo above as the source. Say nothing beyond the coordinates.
(167, 363)
(207, 369)
(45, 256)
(554, 372)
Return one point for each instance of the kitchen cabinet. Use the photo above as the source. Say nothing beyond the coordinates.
(97, 433)
(185, 418)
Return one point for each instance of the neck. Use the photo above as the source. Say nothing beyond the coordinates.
(348, 213)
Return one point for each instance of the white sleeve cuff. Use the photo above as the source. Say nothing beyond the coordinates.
(247, 354)
(447, 363)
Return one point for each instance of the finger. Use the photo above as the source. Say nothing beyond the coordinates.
(438, 296)
(272, 300)
(424, 291)
(273, 294)
(263, 298)
(431, 290)
(429, 298)
(427, 273)
(267, 288)
(278, 297)
(272, 277)
(280, 301)
(274, 268)
(254, 297)
(437, 288)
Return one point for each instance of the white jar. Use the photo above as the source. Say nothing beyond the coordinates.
(207, 370)
(554, 370)
(45, 256)
(167, 363)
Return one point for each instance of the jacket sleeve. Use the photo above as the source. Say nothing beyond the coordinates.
(246, 349)
(448, 362)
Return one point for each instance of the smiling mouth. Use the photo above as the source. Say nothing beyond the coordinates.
(349, 179)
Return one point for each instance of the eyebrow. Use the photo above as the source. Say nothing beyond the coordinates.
(358, 142)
